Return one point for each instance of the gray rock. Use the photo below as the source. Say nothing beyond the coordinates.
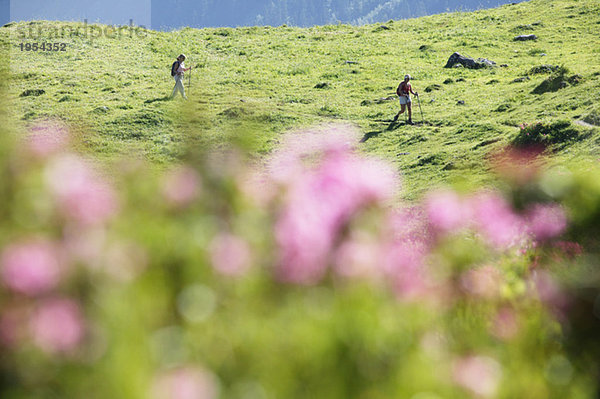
(384, 99)
(457, 59)
(519, 80)
(432, 87)
(460, 102)
(523, 38)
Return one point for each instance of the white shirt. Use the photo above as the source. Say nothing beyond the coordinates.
(180, 69)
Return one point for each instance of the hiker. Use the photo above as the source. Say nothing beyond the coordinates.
(404, 89)
(177, 70)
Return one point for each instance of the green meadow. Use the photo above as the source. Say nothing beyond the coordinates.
(258, 83)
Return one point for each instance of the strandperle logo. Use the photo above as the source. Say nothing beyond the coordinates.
(85, 30)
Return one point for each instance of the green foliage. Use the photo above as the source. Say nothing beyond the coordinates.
(557, 81)
(544, 133)
(593, 118)
(275, 70)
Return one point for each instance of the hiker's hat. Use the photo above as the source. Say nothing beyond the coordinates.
(407, 76)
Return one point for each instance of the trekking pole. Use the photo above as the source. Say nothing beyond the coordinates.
(420, 109)
(190, 82)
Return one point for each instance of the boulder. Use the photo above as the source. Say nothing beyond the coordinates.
(457, 59)
(432, 87)
(523, 38)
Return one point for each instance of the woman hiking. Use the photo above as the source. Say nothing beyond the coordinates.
(177, 70)
(403, 91)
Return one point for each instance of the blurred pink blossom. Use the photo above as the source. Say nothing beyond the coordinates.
(505, 325)
(478, 374)
(31, 267)
(85, 246)
(520, 166)
(82, 194)
(125, 261)
(181, 186)
(57, 326)
(300, 150)
(549, 292)
(47, 138)
(446, 211)
(358, 257)
(546, 221)
(483, 282)
(186, 383)
(569, 248)
(495, 219)
(230, 254)
(320, 202)
(404, 266)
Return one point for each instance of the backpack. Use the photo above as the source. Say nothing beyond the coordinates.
(174, 68)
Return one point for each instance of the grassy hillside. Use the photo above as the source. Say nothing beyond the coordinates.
(265, 81)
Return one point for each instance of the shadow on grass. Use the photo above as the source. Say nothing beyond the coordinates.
(391, 127)
(165, 98)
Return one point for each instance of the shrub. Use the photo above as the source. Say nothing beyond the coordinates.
(545, 133)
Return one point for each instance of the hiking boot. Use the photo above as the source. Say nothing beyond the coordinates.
(395, 118)
(410, 122)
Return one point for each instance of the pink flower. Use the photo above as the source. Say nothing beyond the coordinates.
(82, 194)
(546, 221)
(407, 245)
(495, 219)
(358, 257)
(181, 186)
(505, 325)
(230, 255)
(31, 267)
(570, 249)
(483, 282)
(518, 165)
(57, 326)
(321, 200)
(47, 138)
(478, 374)
(298, 150)
(186, 383)
(446, 211)
(549, 292)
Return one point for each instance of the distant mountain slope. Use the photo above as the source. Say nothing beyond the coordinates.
(262, 82)
(214, 13)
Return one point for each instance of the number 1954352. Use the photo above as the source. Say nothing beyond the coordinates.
(43, 46)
